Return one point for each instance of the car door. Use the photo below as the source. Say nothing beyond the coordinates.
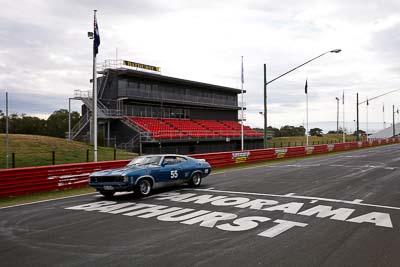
(171, 171)
(185, 167)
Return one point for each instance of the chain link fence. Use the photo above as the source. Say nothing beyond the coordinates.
(31, 159)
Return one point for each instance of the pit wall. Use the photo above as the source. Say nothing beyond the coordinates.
(21, 181)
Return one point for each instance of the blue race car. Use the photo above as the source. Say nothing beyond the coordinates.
(144, 173)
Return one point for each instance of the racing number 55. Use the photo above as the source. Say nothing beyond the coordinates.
(174, 174)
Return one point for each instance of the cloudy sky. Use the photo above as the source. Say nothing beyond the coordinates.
(45, 53)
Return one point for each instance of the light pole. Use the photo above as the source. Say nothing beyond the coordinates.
(383, 114)
(337, 114)
(266, 83)
(70, 135)
(69, 119)
(358, 122)
(367, 119)
(367, 101)
(394, 127)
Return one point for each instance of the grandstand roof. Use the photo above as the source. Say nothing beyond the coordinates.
(158, 77)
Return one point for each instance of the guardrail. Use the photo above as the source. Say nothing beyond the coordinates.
(238, 157)
(20, 181)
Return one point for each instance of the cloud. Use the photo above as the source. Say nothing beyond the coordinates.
(37, 104)
(47, 55)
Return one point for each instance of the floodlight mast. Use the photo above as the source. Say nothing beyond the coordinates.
(337, 114)
(367, 101)
(266, 83)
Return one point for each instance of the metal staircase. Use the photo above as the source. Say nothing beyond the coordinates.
(100, 107)
(131, 125)
(103, 112)
(80, 126)
(135, 143)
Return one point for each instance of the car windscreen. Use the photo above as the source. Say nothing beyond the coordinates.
(140, 161)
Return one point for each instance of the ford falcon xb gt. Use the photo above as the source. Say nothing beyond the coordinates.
(145, 173)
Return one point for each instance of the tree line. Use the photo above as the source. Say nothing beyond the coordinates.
(284, 131)
(289, 130)
(55, 125)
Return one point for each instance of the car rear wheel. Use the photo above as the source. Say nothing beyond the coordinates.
(195, 180)
(107, 194)
(143, 188)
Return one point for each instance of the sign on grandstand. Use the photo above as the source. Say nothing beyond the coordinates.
(140, 65)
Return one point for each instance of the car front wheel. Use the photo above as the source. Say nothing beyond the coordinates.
(143, 188)
(195, 180)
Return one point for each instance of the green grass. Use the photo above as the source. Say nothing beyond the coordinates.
(34, 150)
(313, 140)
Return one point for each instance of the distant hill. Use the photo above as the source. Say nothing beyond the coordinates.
(36, 150)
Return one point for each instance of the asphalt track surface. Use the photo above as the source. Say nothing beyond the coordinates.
(363, 185)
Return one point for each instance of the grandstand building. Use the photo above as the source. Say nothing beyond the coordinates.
(141, 110)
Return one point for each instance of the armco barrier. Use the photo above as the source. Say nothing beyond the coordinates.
(21, 181)
(237, 157)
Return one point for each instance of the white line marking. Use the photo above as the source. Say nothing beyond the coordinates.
(333, 165)
(313, 201)
(289, 194)
(303, 165)
(47, 200)
(357, 200)
(358, 156)
(299, 197)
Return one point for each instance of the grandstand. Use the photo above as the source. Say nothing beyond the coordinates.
(144, 111)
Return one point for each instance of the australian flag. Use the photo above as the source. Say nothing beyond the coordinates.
(96, 41)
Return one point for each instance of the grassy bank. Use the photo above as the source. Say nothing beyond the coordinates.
(34, 150)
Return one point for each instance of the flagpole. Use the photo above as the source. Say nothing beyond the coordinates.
(383, 114)
(306, 91)
(307, 119)
(344, 124)
(7, 140)
(242, 133)
(94, 93)
(367, 118)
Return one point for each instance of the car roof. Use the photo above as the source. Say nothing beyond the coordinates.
(164, 155)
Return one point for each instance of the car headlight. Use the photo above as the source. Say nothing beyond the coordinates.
(126, 179)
